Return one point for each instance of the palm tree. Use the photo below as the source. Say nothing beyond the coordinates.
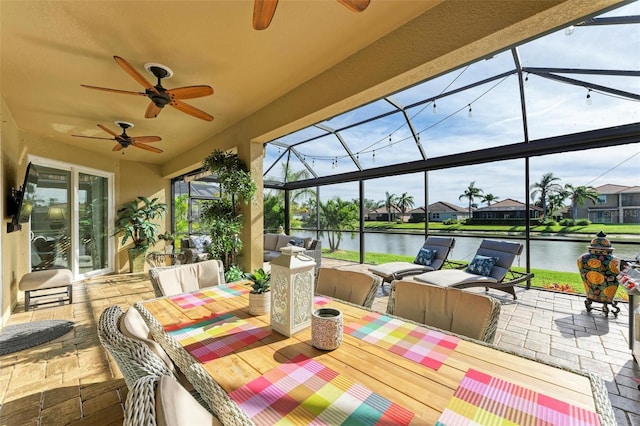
(579, 195)
(546, 188)
(471, 193)
(405, 202)
(289, 175)
(489, 198)
(389, 202)
(337, 216)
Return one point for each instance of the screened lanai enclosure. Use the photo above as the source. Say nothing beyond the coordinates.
(563, 108)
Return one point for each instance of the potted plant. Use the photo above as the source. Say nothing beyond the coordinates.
(168, 238)
(134, 219)
(259, 297)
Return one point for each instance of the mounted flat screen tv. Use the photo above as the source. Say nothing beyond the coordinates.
(22, 199)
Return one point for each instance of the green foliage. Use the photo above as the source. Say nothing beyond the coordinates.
(181, 212)
(233, 175)
(234, 273)
(222, 216)
(583, 222)
(261, 281)
(337, 216)
(273, 208)
(134, 220)
(450, 221)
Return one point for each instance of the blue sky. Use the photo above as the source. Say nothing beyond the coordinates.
(552, 109)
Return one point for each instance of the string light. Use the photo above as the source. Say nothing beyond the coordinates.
(470, 113)
(589, 101)
(374, 155)
(569, 30)
(435, 108)
(526, 80)
(313, 162)
(389, 140)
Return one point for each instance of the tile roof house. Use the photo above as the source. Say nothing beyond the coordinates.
(616, 204)
(508, 209)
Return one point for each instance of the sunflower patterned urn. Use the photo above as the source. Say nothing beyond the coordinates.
(599, 269)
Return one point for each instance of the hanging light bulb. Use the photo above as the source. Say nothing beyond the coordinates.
(313, 162)
(526, 80)
(435, 108)
(569, 30)
(470, 113)
(336, 162)
(389, 140)
(589, 101)
(374, 155)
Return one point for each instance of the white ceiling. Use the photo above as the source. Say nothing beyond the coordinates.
(50, 48)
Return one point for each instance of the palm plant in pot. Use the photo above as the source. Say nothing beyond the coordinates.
(259, 297)
(134, 219)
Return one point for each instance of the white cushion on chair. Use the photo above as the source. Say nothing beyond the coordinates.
(133, 326)
(176, 407)
(447, 277)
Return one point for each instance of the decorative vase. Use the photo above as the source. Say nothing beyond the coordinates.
(599, 270)
(136, 259)
(259, 303)
(326, 329)
(292, 288)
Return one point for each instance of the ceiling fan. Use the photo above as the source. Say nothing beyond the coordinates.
(124, 140)
(263, 10)
(159, 95)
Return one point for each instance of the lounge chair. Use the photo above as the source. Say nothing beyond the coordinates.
(431, 257)
(469, 314)
(490, 268)
(355, 287)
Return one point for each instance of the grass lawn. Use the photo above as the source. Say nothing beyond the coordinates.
(592, 229)
(561, 281)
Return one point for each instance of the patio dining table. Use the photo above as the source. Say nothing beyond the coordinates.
(386, 370)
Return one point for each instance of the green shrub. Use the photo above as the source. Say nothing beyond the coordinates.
(566, 222)
(450, 221)
(583, 222)
(234, 273)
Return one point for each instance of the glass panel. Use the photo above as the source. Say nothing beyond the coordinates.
(339, 218)
(93, 223)
(50, 220)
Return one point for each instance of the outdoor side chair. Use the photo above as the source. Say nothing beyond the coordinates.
(461, 312)
(351, 286)
(161, 400)
(431, 257)
(171, 280)
(490, 268)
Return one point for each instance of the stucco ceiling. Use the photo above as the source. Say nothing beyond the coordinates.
(49, 48)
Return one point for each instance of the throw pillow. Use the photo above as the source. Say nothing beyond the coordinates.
(425, 256)
(200, 242)
(296, 241)
(481, 265)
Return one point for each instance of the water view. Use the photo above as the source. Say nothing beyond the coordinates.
(552, 255)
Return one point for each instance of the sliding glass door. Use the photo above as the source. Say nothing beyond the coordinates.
(69, 220)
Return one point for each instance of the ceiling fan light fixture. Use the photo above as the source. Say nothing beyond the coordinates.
(158, 70)
(124, 124)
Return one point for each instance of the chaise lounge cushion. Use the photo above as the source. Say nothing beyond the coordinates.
(450, 277)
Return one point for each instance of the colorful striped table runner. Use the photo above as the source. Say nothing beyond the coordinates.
(481, 399)
(202, 297)
(217, 335)
(420, 344)
(306, 392)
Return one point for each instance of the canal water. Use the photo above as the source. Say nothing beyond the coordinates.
(551, 255)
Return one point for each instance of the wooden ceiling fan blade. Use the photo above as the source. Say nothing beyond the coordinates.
(263, 11)
(152, 111)
(93, 137)
(111, 132)
(190, 92)
(355, 5)
(145, 139)
(135, 74)
(106, 89)
(179, 105)
(118, 147)
(147, 147)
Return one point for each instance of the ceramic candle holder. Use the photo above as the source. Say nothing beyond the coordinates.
(326, 328)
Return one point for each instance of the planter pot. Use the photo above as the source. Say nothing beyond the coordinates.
(259, 304)
(326, 328)
(136, 259)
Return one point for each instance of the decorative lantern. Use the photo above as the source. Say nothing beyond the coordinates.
(292, 288)
(599, 269)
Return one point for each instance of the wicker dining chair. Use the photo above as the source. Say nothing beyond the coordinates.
(451, 309)
(351, 286)
(161, 400)
(134, 358)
